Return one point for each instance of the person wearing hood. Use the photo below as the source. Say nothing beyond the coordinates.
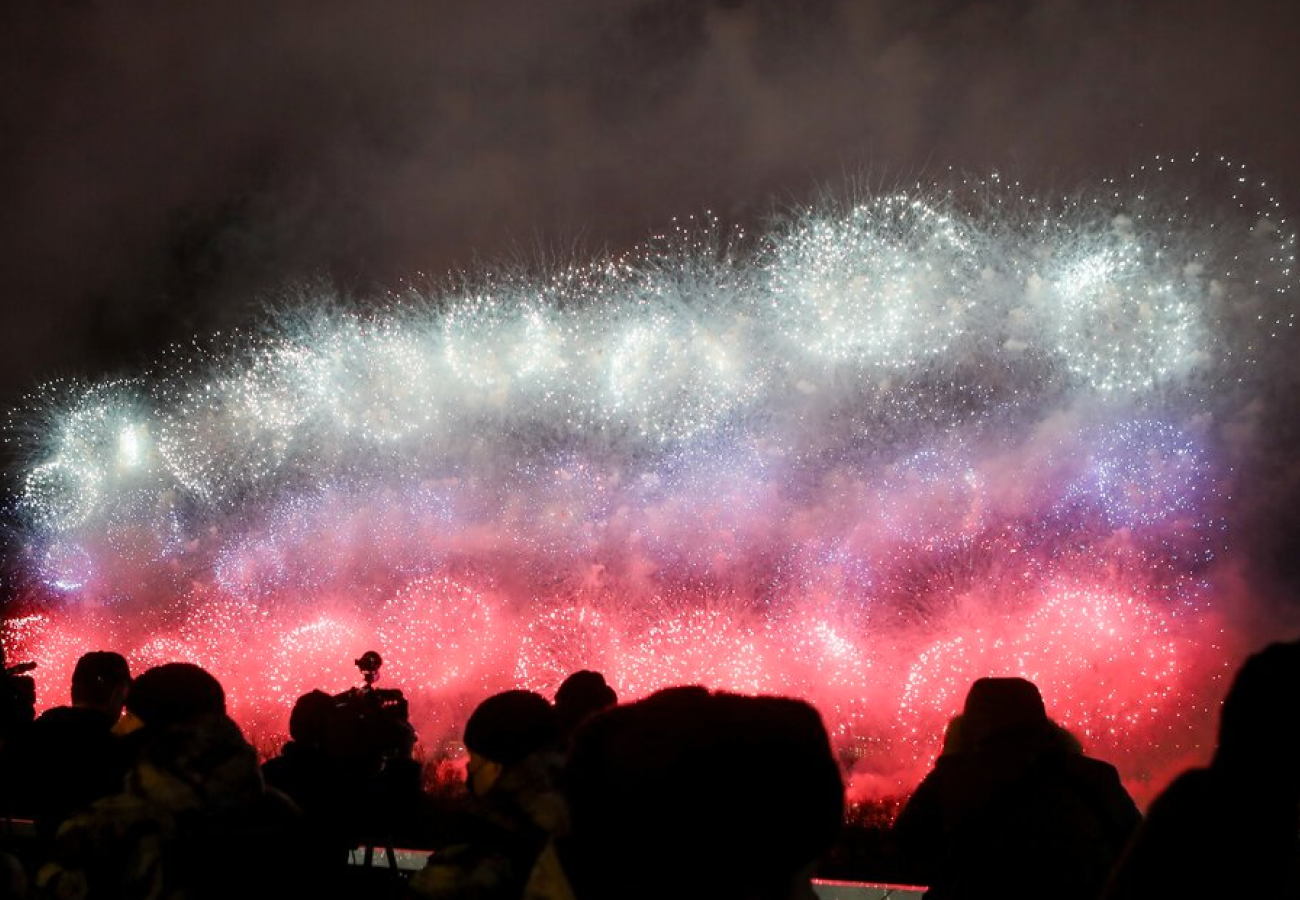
(1013, 810)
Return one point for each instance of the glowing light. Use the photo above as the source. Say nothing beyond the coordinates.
(885, 285)
(865, 458)
(130, 447)
(1124, 322)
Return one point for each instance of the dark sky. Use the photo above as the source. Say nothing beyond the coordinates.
(165, 165)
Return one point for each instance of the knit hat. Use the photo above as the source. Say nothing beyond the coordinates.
(175, 692)
(309, 722)
(509, 726)
(582, 694)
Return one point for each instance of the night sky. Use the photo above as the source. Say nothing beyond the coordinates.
(168, 168)
(166, 165)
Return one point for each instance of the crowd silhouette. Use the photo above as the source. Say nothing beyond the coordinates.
(144, 787)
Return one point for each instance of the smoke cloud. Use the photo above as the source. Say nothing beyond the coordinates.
(168, 170)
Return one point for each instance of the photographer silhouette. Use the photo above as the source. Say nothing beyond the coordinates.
(349, 763)
(369, 729)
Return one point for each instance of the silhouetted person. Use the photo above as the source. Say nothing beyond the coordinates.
(171, 693)
(192, 821)
(581, 695)
(166, 695)
(313, 778)
(193, 818)
(302, 769)
(1015, 811)
(695, 796)
(1231, 830)
(349, 766)
(953, 737)
(69, 756)
(514, 806)
(17, 699)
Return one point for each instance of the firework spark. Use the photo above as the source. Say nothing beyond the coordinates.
(866, 457)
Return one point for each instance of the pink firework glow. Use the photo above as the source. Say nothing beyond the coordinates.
(865, 458)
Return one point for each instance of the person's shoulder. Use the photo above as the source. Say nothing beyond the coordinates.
(1194, 780)
(56, 717)
(1195, 789)
(549, 880)
(948, 774)
(120, 813)
(277, 806)
(1088, 766)
(55, 713)
(957, 765)
(1098, 777)
(68, 728)
(278, 766)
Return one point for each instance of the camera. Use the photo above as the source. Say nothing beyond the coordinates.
(374, 784)
(369, 727)
(350, 763)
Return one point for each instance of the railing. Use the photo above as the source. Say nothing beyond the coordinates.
(409, 860)
(860, 890)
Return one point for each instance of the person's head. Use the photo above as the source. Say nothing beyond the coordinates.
(101, 680)
(309, 723)
(998, 707)
(1259, 727)
(173, 693)
(582, 694)
(746, 789)
(504, 730)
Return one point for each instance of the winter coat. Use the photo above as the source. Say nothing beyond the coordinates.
(192, 808)
(1212, 835)
(1018, 817)
(67, 759)
(499, 838)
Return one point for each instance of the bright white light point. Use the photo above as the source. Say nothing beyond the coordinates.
(130, 447)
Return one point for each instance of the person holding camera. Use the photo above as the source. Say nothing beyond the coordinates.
(349, 765)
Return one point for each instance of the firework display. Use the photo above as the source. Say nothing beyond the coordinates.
(866, 456)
